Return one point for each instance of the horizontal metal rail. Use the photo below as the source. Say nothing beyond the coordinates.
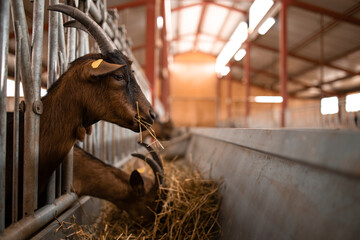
(31, 224)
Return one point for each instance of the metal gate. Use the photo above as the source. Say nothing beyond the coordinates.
(108, 142)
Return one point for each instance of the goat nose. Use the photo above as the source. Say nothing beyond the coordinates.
(152, 114)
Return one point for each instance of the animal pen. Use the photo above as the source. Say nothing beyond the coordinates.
(277, 183)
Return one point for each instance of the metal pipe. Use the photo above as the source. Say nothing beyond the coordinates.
(4, 47)
(283, 60)
(31, 120)
(67, 176)
(15, 182)
(29, 225)
(37, 43)
(61, 42)
(52, 72)
(247, 67)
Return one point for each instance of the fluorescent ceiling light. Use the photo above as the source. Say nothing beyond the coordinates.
(240, 54)
(268, 99)
(257, 11)
(266, 26)
(353, 102)
(237, 38)
(329, 105)
(225, 71)
(160, 22)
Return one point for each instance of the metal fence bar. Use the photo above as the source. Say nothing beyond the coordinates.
(32, 119)
(28, 226)
(52, 72)
(4, 44)
(15, 159)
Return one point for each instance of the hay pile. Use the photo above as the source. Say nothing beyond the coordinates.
(189, 212)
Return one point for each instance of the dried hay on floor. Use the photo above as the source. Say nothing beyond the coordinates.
(190, 212)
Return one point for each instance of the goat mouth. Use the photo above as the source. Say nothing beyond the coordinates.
(140, 124)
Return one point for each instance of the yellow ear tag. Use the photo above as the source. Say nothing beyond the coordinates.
(96, 63)
(141, 170)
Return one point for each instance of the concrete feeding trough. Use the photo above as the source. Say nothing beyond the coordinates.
(276, 184)
(281, 184)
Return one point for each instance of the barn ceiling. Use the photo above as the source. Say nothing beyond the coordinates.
(323, 40)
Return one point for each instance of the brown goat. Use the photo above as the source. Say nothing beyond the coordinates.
(130, 192)
(95, 87)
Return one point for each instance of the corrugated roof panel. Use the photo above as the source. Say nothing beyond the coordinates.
(226, 3)
(186, 44)
(351, 62)
(218, 46)
(333, 5)
(214, 19)
(231, 23)
(189, 2)
(189, 18)
(301, 24)
(205, 43)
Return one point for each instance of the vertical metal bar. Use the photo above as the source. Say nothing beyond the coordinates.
(228, 100)
(61, 42)
(283, 59)
(32, 120)
(247, 83)
(52, 70)
(4, 46)
(16, 133)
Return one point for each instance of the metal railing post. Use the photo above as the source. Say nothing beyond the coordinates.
(32, 113)
(52, 73)
(4, 46)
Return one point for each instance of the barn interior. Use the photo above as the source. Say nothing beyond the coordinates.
(263, 94)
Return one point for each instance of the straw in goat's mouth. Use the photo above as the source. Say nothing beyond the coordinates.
(147, 126)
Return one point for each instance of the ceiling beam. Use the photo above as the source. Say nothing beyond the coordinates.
(209, 3)
(331, 24)
(317, 9)
(305, 58)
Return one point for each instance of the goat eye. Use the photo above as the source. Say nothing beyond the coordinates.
(119, 77)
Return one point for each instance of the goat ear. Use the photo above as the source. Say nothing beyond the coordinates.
(137, 183)
(100, 67)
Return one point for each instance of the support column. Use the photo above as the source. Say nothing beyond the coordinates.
(229, 97)
(247, 83)
(218, 100)
(165, 88)
(283, 59)
(151, 47)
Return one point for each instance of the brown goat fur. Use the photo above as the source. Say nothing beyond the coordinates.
(129, 192)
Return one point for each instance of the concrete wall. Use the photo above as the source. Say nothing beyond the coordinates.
(283, 184)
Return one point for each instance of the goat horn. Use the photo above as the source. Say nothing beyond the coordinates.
(158, 172)
(153, 153)
(76, 24)
(102, 39)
